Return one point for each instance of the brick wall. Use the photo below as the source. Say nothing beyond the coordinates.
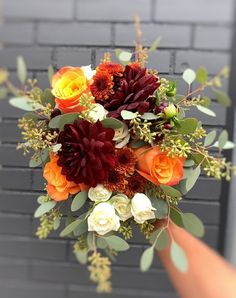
(77, 32)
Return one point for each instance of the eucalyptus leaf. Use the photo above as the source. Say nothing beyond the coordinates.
(205, 110)
(101, 243)
(70, 228)
(60, 120)
(40, 158)
(90, 240)
(3, 92)
(228, 145)
(127, 115)
(149, 116)
(48, 98)
(222, 98)
(82, 256)
(125, 56)
(117, 243)
(209, 139)
(192, 178)
(178, 257)
(193, 224)
(111, 123)
(189, 76)
(50, 73)
(25, 103)
(79, 200)
(171, 191)
(187, 125)
(162, 241)
(56, 148)
(21, 69)
(81, 228)
(56, 223)
(44, 208)
(154, 45)
(189, 163)
(138, 144)
(161, 208)
(147, 259)
(223, 138)
(176, 217)
(202, 75)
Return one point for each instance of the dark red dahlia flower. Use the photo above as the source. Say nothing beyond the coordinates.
(134, 91)
(87, 152)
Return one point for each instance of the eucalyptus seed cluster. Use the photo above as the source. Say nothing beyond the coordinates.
(142, 128)
(146, 228)
(175, 147)
(126, 230)
(47, 223)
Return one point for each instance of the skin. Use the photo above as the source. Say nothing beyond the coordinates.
(208, 276)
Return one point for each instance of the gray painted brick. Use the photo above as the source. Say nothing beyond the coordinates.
(14, 33)
(203, 189)
(44, 9)
(8, 111)
(112, 10)
(201, 11)
(211, 60)
(74, 34)
(36, 58)
(38, 180)
(13, 134)
(13, 224)
(14, 288)
(42, 78)
(212, 37)
(15, 179)
(31, 248)
(12, 157)
(14, 268)
(18, 202)
(73, 57)
(173, 36)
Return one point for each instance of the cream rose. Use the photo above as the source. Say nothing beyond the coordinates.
(103, 219)
(122, 205)
(122, 136)
(141, 208)
(97, 113)
(99, 193)
(89, 73)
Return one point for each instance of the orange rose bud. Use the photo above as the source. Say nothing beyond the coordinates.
(68, 84)
(158, 167)
(58, 187)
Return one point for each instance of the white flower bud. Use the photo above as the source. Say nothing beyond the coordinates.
(99, 193)
(122, 205)
(141, 208)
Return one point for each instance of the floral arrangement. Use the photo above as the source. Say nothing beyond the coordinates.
(118, 151)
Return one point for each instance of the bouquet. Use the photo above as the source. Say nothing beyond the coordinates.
(117, 151)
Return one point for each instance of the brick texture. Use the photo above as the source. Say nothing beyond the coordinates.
(79, 32)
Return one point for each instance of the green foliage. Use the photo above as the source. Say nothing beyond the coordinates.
(178, 257)
(50, 73)
(223, 138)
(44, 208)
(209, 139)
(192, 177)
(176, 217)
(79, 200)
(205, 110)
(159, 239)
(147, 259)
(149, 116)
(60, 120)
(21, 69)
(189, 76)
(39, 158)
(187, 126)
(111, 123)
(193, 224)
(202, 75)
(127, 115)
(116, 243)
(154, 45)
(3, 92)
(70, 228)
(25, 104)
(161, 208)
(222, 98)
(170, 191)
(123, 56)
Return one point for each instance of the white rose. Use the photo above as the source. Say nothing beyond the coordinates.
(97, 113)
(141, 208)
(122, 205)
(103, 219)
(99, 193)
(89, 73)
(122, 136)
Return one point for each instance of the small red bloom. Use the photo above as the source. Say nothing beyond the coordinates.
(102, 86)
(126, 161)
(115, 181)
(136, 184)
(112, 68)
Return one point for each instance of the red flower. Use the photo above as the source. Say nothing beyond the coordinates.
(102, 86)
(87, 152)
(112, 68)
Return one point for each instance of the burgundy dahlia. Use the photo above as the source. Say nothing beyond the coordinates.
(133, 92)
(87, 152)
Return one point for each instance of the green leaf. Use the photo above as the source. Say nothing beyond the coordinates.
(25, 104)
(149, 116)
(123, 56)
(70, 228)
(154, 45)
(189, 163)
(187, 125)
(223, 138)
(161, 208)
(56, 223)
(112, 123)
(60, 120)
(81, 228)
(138, 144)
(162, 241)
(42, 157)
(56, 148)
(44, 208)
(209, 139)
(90, 240)
(189, 76)
(79, 200)
(176, 217)
(101, 243)
(3, 92)
(202, 75)
(147, 259)
(116, 243)
(192, 178)
(206, 111)
(47, 97)
(228, 145)
(205, 101)
(193, 224)
(222, 98)
(178, 257)
(21, 69)
(171, 191)
(82, 256)
(50, 73)
(127, 115)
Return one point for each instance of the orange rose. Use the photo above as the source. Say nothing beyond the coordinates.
(159, 168)
(68, 84)
(58, 187)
